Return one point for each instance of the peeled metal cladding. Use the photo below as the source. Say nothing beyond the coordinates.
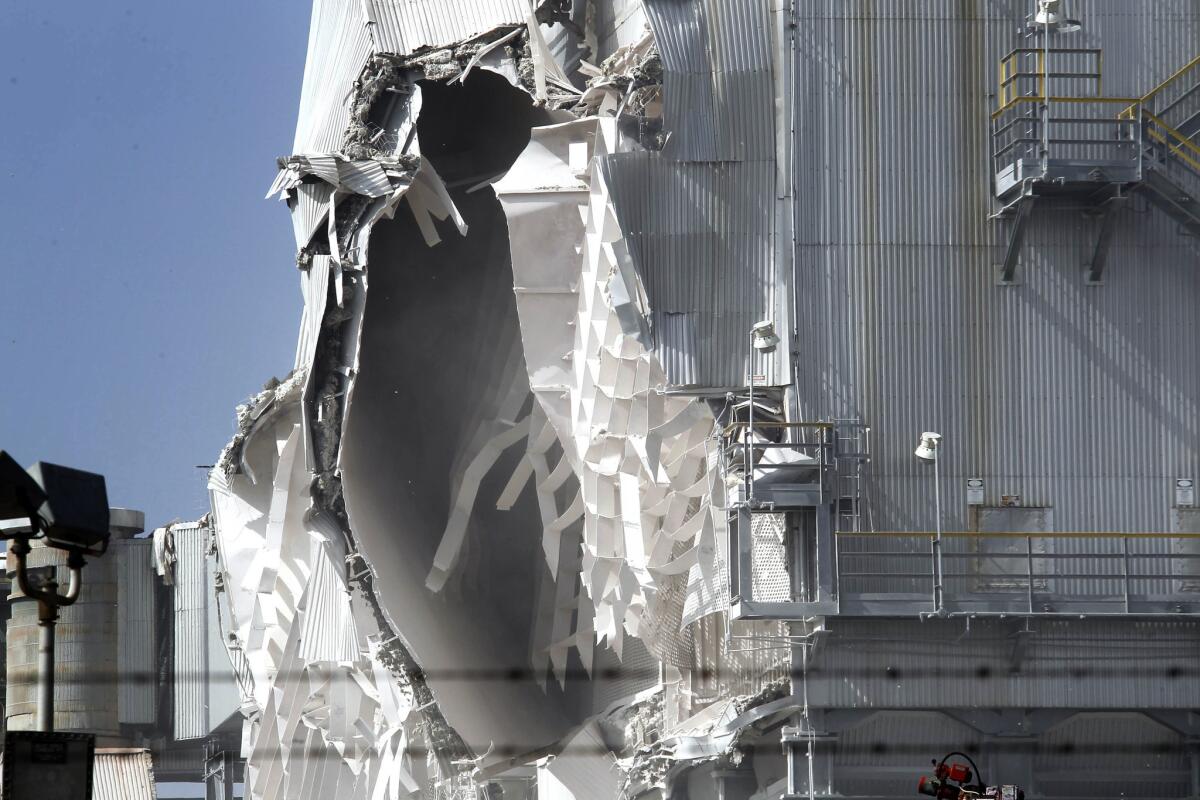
(471, 484)
(479, 538)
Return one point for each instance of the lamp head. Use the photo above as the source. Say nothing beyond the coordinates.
(74, 512)
(20, 495)
(1051, 15)
(927, 450)
(765, 338)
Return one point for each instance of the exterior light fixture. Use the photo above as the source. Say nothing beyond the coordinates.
(1050, 15)
(764, 337)
(927, 453)
(69, 508)
(927, 450)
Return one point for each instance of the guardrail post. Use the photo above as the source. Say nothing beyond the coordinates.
(1029, 570)
(1125, 568)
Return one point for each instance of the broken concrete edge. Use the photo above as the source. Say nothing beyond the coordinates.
(275, 394)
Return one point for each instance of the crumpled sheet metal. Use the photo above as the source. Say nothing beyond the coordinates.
(643, 459)
(317, 683)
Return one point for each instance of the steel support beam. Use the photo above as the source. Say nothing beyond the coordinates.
(1016, 238)
(1095, 267)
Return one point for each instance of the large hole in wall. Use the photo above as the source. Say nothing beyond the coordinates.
(440, 350)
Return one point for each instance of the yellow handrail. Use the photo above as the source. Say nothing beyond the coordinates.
(1179, 72)
(1174, 77)
(1133, 101)
(1022, 534)
(1182, 141)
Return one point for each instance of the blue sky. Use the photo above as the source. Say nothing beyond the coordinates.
(147, 286)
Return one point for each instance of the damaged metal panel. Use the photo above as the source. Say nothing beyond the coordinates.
(701, 238)
(314, 288)
(407, 26)
(327, 632)
(718, 87)
(120, 773)
(137, 642)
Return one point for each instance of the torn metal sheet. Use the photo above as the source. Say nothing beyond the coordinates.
(476, 460)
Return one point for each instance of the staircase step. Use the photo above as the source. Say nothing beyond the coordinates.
(1178, 203)
(1190, 127)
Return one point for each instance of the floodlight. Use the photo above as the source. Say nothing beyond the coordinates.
(927, 450)
(74, 515)
(765, 338)
(1051, 15)
(20, 494)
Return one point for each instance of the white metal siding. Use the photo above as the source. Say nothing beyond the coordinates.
(137, 640)
(191, 635)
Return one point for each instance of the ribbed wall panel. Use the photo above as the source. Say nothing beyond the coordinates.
(137, 643)
(314, 286)
(191, 634)
(1067, 664)
(1082, 398)
(339, 45)
(404, 26)
(700, 236)
(328, 632)
(123, 774)
(718, 90)
(310, 210)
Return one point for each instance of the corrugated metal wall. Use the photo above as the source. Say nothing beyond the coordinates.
(1081, 398)
(137, 642)
(191, 634)
(700, 216)
(1094, 663)
(402, 26)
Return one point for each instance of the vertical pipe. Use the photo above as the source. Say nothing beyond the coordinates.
(1045, 97)
(749, 449)
(1125, 568)
(45, 704)
(937, 538)
(1029, 570)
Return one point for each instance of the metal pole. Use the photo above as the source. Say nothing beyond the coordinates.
(937, 539)
(1045, 159)
(47, 615)
(749, 451)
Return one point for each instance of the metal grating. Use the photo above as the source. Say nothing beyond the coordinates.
(770, 578)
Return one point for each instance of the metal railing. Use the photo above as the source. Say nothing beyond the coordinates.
(815, 439)
(1020, 573)
(1053, 123)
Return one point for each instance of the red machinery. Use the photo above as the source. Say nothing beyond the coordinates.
(952, 781)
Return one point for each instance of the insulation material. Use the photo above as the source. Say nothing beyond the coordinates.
(641, 457)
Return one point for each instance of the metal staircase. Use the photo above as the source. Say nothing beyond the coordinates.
(1056, 136)
(1170, 115)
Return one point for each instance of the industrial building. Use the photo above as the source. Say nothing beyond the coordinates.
(594, 476)
(143, 663)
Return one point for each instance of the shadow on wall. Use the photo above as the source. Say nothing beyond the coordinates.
(441, 352)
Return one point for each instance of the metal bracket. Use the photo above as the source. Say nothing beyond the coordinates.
(1016, 238)
(1094, 269)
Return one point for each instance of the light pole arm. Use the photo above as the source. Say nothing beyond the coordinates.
(75, 563)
